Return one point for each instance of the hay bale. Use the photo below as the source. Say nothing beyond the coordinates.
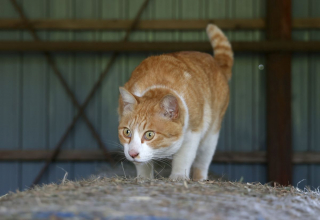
(122, 198)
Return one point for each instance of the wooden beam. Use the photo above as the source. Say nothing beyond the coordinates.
(64, 155)
(93, 155)
(306, 158)
(82, 24)
(306, 23)
(87, 24)
(278, 91)
(96, 155)
(240, 157)
(264, 46)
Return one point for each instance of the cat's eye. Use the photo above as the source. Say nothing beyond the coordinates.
(149, 135)
(127, 132)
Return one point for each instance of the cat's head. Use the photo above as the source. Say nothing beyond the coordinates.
(150, 126)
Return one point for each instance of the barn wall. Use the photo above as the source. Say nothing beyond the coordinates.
(306, 95)
(35, 109)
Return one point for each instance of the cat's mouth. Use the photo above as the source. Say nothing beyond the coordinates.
(135, 160)
(139, 161)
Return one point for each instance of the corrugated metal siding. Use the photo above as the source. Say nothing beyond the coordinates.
(305, 95)
(10, 110)
(36, 109)
(244, 125)
(61, 110)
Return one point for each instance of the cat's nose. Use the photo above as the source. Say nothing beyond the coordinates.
(133, 153)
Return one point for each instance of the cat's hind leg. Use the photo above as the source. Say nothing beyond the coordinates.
(204, 156)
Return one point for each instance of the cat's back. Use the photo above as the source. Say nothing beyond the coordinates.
(174, 70)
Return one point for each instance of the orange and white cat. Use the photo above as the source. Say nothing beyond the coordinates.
(173, 106)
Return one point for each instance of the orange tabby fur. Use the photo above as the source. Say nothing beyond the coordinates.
(199, 83)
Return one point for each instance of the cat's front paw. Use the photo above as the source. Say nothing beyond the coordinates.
(178, 177)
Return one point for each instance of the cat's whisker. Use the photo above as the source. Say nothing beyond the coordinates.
(121, 160)
(163, 161)
(112, 143)
(117, 147)
(158, 173)
(166, 163)
(116, 150)
(148, 165)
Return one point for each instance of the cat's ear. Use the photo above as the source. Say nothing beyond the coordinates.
(128, 100)
(170, 107)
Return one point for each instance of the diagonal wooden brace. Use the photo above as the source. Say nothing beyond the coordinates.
(62, 80)
(70, 93)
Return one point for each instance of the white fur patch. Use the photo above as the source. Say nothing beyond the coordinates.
(136, 91)
(135, 143)
(126, 152)
(187, 75)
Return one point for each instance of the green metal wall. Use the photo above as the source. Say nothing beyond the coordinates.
(306, 95)
(35, 110)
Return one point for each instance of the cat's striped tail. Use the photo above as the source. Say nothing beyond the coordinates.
(222, 49)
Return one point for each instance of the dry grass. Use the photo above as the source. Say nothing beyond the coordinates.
(122, 198)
